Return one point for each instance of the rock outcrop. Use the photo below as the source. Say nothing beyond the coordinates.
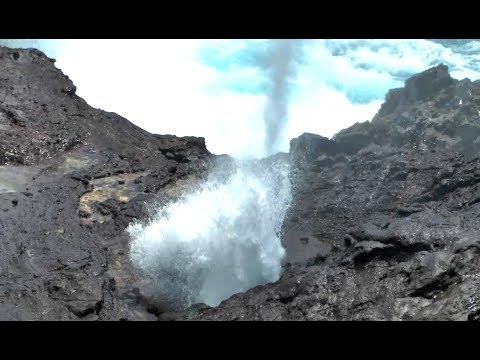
(384, 223)
(71, 179)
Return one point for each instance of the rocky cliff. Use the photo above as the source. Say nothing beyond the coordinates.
(71, 179)
(385, 218)
(384, 222)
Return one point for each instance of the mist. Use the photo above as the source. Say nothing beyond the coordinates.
(218, 240)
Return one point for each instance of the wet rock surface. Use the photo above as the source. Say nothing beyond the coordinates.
(71, 179)
(384, 222)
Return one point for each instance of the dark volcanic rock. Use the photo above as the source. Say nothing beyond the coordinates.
(71, 179)
(384, 223)
(431, 111)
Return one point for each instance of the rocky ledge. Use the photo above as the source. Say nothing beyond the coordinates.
(384, 223)
(71, 179)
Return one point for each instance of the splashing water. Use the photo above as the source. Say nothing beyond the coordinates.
(224, 238)
(219, 240)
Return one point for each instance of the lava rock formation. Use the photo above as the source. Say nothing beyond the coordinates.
(385, 217)
(384, 222)
(71, 179)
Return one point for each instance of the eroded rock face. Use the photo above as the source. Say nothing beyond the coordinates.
(71, 179)
(384, 223)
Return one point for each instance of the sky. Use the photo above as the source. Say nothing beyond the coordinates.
(220, 89)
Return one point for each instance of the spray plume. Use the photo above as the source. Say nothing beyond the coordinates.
(224, 237)
(280, 65)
